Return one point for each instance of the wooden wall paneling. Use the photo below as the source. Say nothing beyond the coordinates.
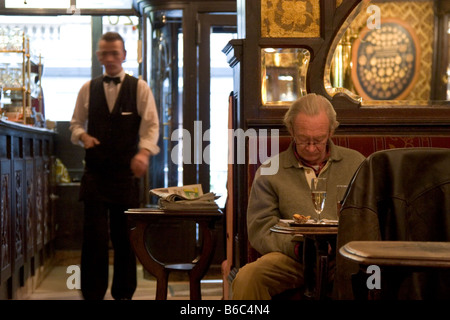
(25, 179)
(5, 220)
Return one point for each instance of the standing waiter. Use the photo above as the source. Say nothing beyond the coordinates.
(116, 121)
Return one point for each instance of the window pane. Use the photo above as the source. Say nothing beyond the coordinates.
(31, 4)
(67, 64)
(65, 44)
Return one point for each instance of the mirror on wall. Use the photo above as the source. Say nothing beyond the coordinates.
(283, 75)
(392, 51)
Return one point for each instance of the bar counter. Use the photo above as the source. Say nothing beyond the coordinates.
(26, 214)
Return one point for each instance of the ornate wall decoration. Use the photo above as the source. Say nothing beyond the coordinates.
(386, 61)
(420, 16)
(290, 18)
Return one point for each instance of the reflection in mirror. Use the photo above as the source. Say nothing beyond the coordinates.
(448, 63)
(338, 69)
(385, 53)
(341, 67)
(283, 74)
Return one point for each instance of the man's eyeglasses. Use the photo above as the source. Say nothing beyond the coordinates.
(317, 144)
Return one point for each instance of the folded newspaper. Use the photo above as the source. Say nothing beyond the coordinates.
(185, 197)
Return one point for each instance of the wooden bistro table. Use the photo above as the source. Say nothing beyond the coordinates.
(206, 218)
(316, 239)
(397, 257)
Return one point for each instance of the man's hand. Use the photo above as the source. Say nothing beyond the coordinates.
(89, 141)
(139, 163)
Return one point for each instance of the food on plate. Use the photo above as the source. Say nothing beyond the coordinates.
(299, 218)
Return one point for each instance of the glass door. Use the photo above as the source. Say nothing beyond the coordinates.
(166, 81)
(191, 81)
(215, 82)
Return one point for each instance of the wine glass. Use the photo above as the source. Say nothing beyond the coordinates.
(318, 194)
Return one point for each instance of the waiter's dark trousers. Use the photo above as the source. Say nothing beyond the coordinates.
(94, 257)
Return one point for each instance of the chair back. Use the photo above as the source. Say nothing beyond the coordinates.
(398, 194)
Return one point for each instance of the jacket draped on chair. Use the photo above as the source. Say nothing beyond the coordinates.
(404, 195)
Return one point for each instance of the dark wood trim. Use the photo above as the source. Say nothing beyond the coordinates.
(443, 6)
(440, 52)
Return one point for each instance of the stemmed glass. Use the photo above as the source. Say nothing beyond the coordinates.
(318, 194)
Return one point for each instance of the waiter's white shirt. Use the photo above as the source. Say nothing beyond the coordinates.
(146, 108)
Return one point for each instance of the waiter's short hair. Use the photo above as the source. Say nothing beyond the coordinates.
(113, 36)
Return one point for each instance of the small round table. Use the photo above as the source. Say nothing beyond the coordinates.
(206, 218)
(315, 253)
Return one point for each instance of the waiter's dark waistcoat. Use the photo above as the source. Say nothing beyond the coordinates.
(108, 171)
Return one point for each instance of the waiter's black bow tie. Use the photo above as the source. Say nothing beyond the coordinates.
(107, 79)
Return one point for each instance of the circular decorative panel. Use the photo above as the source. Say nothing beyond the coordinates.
(386, 61)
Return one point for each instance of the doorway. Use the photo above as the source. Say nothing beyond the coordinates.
(191, 81)
(193, 127)
(215, 82)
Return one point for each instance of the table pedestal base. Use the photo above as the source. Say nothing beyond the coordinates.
(196, 269)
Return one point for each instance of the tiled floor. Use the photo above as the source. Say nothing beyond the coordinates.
(54, 287)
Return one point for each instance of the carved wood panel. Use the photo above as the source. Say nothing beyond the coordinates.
(18, 225)
(39, 202)
(5, 219)
(30, 208)
(47, 218)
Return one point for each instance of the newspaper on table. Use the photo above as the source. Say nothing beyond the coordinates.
(185, 197)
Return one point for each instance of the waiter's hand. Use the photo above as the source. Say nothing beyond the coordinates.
(139, 163)
(89, 141)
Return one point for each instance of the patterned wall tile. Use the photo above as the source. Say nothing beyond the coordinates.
(290, 18)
